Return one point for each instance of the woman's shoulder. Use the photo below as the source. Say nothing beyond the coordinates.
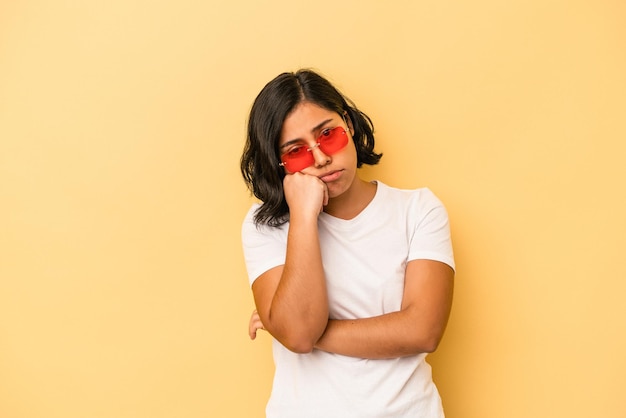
(251, 227)
(419, 194)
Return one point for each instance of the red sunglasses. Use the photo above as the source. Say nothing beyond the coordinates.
(300, 157)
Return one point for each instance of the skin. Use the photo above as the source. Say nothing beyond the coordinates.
(291, 300)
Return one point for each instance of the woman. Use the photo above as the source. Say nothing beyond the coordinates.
(353, 279)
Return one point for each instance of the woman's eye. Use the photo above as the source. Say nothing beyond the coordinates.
(326, 132)
(295, 150)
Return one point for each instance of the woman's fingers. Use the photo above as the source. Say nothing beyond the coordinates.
(254, 325)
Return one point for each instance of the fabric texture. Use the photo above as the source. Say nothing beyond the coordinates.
(364, 262)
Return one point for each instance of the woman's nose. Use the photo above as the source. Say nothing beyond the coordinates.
(320, 158)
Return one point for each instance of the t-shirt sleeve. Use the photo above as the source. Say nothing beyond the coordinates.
(264, 247)
(431, 233)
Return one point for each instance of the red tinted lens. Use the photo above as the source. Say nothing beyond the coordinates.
(333, 140)
(330, 142)
(297, 159)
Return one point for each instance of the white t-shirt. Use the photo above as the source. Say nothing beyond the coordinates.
(364, 262)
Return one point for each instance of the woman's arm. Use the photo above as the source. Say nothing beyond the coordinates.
(291, 300)
(416, 328)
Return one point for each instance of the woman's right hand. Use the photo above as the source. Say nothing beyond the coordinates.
(292, 299)
(305, 194)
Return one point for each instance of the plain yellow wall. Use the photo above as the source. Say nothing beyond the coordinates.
(122, 286)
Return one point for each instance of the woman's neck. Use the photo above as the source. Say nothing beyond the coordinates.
(350, 203)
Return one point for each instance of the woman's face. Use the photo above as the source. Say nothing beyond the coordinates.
(302, 128)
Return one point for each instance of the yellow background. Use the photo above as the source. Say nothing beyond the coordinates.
(123, 292)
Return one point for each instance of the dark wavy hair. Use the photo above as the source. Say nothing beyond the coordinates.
(260, 159)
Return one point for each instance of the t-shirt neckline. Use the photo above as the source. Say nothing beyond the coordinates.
(364, 214)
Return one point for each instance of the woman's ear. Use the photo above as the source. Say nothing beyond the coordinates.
(348, 121)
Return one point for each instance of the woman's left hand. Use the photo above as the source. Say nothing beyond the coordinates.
(254, 325)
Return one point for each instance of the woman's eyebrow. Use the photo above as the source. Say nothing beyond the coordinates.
(315, 129)
(319, 126)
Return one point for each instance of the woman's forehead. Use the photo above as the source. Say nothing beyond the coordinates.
(306, 119)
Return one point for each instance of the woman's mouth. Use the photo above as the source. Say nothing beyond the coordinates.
(332, 176)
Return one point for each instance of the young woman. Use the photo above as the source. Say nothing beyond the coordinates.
(353, 279)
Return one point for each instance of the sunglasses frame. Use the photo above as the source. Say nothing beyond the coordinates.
(320, 143)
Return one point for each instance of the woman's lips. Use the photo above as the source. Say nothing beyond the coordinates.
(332, 176)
